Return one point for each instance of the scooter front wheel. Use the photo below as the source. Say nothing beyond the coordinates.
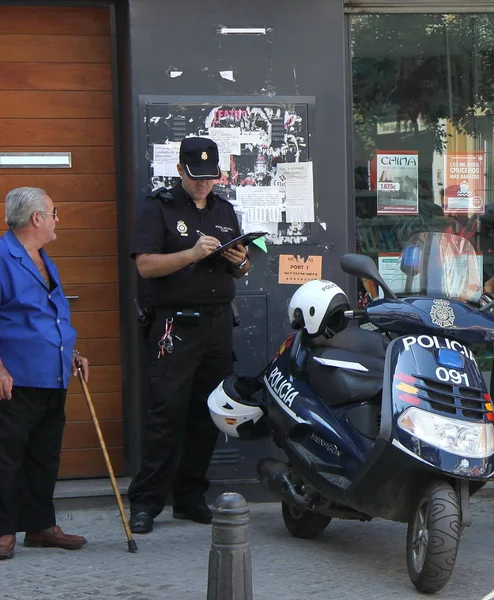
(303, 523)
(433, 537)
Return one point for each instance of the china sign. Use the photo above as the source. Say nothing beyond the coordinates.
(464, 183)
(397, 183)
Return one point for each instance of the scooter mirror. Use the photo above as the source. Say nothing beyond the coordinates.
(364, 267)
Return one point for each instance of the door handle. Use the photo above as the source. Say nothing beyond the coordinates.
(72, 297)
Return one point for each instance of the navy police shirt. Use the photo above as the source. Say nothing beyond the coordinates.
(170, 225)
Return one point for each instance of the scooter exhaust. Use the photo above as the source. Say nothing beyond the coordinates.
(275, 475)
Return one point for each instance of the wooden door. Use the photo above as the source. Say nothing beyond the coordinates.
(56, 95)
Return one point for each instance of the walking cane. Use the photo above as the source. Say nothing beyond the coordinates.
(130, 541)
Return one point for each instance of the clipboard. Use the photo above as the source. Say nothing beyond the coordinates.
(244, 239)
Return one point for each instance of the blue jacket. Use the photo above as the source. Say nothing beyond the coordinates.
(36, 337)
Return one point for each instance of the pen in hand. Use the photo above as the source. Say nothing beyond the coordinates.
(200, 234)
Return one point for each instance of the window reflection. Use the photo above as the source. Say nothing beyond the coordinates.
(423, 93)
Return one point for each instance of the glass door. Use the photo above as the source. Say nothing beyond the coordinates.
(423, 112)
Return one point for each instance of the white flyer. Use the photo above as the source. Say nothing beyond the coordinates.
(260, 203)
(228, 142)
(387, 264)
(298, 182)
(266, 214)
(250, 226)
(165, 159)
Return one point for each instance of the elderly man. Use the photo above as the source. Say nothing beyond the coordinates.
(36, 358)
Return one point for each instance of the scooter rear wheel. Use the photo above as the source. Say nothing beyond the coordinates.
(303, 523)
(433, 537)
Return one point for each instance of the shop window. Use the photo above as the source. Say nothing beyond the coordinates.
(423, 113)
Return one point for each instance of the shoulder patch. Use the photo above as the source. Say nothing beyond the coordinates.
(161, 194)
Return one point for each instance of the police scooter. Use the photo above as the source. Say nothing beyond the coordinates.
(395, 423)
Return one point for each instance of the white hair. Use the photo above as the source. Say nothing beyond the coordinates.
(21, 203)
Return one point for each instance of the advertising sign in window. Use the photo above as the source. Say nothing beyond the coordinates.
(397, 183)
(464, 186)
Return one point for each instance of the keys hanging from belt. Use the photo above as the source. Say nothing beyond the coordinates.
(165, 344)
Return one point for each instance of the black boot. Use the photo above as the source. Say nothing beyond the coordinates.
(141, 522)
(200, 513)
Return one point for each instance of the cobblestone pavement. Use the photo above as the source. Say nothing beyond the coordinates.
(351, 560)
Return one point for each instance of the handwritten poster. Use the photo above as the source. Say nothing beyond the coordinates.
(464, 184)
(165, 159)
(397, 183)
(260, 203)
(228, 141)
(297, 181)
(296, 269)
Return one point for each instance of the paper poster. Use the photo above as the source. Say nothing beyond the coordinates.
(228, 142)
(165, 159)
(296, 270)
(397, 183)
(267, 226)
(464, 183)
(296, 179)
(255, 138)
(260, 203)
(386, 265)
(264, 214)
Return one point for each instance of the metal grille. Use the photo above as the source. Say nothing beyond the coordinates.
(452, 400)
(277, 130)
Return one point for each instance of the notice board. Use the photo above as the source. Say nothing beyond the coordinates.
(265, 158)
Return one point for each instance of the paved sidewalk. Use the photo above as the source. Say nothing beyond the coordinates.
(351, 560)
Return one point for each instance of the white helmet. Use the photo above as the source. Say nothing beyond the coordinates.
(318, 306)
(233, 409)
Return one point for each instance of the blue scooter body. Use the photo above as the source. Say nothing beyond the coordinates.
(339, 425)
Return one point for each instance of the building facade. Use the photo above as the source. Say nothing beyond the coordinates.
(378, 102)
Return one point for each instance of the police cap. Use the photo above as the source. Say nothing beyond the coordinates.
(199, 157)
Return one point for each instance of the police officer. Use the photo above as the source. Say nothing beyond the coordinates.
(190, 337)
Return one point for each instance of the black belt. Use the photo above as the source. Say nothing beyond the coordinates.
(203, 309)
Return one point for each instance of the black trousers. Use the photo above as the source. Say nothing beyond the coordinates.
(31, 429)
(179, 435)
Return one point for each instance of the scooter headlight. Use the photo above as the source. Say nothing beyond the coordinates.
(472, 440)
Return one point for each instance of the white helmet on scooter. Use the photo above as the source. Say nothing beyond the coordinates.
(234, 410)
(319, 306)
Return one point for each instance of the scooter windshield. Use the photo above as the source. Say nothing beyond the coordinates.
(439, 265)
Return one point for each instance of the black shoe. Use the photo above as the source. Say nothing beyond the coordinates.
(200, 513)
(141, 522)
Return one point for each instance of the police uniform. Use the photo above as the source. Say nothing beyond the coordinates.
(169, 223)
(179, 436)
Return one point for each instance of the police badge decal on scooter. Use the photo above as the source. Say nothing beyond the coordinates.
(395, 423)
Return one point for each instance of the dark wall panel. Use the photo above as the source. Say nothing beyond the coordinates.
(302, 54)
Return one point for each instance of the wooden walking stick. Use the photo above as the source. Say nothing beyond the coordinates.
(130, 541)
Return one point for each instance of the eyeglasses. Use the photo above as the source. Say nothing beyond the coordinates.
(53, 214)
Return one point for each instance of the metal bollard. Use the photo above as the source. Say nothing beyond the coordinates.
(230, 570)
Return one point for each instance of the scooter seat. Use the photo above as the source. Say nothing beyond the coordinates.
(354, 339)
(338, 386)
